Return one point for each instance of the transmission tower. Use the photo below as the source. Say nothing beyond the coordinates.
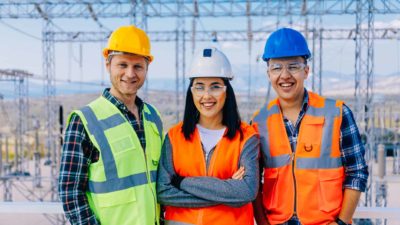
(363, 91)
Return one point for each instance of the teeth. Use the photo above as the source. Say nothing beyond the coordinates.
(286, 85)
(208, 104)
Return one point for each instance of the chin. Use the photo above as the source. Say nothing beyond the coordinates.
(209, 114)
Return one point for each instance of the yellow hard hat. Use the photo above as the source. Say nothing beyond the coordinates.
(129, 39)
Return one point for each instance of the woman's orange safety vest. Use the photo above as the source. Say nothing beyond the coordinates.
(189, 161)
(309, 182)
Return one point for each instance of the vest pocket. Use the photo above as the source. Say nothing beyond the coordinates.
(269, 187)
(330, 189)
(116, 198)
(155, 146)
(123, 144)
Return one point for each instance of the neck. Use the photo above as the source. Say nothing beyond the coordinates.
(128, 100)
(292, 104)
(214, 123)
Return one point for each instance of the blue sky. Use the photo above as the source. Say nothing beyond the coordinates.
(19, 51)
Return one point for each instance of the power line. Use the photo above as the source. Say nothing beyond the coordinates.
(20, 31)
(101, 84)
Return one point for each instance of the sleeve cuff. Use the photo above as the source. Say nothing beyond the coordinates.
(355, 184)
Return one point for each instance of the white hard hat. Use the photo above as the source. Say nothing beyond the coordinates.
(211, 62)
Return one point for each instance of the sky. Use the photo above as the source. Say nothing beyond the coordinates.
(23, 50)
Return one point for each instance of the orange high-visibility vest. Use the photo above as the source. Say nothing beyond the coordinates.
(308, 182)
(189, 161)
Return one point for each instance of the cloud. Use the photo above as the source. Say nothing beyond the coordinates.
(383, 24)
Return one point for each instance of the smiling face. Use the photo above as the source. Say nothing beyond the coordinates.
(288, 86)
(209, 95)
(127, 74)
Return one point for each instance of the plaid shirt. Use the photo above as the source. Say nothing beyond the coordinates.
(351, 147)
(77, 154)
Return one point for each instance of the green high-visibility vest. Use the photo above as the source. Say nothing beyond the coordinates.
(121, 188)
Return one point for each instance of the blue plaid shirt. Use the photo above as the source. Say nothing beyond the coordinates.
(351, 147)
(78, 153)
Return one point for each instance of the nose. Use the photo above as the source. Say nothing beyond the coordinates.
(285, 73)
(206, 94)
(131, 72)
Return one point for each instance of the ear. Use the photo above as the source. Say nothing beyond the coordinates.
(269, 78)
(306, 71)
(108, 65)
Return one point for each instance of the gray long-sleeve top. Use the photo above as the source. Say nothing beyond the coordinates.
(209, 191)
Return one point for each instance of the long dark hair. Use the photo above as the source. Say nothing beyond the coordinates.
(230, 113)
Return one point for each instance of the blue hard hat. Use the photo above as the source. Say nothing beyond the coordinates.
(286, 42)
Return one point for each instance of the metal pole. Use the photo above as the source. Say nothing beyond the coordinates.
(381, 161)
(37, 181)
(381, 185)
(1, 155)
(7, 157)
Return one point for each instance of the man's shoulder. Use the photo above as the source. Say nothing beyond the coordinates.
(151, 108)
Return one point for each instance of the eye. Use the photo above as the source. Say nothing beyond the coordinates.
(275, 67)
(294, 67)
(199, 88)
(216, 87)
(139, 67)
(122, 65)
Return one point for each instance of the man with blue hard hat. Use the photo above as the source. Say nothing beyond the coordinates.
(312, 154)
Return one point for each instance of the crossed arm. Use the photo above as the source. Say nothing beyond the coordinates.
(209, 191)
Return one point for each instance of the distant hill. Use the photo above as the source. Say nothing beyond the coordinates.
(333, 84)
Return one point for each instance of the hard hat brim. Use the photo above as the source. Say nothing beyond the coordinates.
(107, 50)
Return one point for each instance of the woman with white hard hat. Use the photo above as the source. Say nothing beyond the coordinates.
(208, 172)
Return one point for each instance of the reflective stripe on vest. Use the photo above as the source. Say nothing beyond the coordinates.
(154, 118)
(307, 181)
(188, 160)
(329, 111)
(97, 129)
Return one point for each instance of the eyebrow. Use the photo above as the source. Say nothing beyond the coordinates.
(201, 83)
(216, 82)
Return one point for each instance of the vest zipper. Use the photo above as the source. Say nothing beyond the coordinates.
(208, 159)
(148, 173)
(152, 192)
(208, 162)
(295, 186)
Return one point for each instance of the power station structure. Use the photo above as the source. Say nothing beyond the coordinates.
(140, 13)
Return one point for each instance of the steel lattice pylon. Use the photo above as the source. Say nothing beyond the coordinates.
(317, 52)
(20, 127)
(226, 35)
(179, 58)
(207, 8)
(53, 149)
(363, 91)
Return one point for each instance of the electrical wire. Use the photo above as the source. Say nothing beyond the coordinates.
(19, 30)
(35, 77)
(56, 26)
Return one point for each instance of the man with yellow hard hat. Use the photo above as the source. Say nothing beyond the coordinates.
(112, 146)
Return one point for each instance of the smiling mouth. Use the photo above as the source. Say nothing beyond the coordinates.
(208, 104)
(129, 82)
(286, 85)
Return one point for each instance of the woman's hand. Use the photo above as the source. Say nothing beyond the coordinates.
(238, 175)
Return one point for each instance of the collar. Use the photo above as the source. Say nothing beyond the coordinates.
(120, 105)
